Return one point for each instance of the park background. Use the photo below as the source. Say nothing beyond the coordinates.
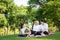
(12, 14)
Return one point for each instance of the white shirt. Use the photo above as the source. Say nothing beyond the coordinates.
(23, 30)
(36, 28)
(44, 27)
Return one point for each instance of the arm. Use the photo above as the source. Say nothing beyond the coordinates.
(46, 27)
(40, 28)
(29, 31)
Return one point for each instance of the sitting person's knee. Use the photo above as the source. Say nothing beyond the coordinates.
(45, 32)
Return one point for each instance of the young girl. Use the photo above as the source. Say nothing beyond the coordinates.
(22, 32)
(36, 29)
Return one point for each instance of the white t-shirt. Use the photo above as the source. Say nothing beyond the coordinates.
(36, 28)
(44, 27)
(23, 30)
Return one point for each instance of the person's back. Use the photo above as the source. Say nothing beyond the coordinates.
(22, 31)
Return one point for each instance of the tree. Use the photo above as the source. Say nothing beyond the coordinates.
(3, 21)
(47, 10)
(4, 9)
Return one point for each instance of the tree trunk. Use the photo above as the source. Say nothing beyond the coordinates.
(14, 31)
(59, 28)
(5, 31)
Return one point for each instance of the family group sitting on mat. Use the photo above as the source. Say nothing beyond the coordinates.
(38, 30)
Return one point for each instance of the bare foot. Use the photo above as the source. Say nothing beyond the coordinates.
(43, 34)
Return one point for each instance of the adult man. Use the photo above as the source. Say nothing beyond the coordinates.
(44, 27)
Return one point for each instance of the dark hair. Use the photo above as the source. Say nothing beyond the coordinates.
(43, 21)
(22, 25)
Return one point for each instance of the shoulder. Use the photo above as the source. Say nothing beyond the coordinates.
(45, 23)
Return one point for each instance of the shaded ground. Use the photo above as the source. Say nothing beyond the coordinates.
(55, 36)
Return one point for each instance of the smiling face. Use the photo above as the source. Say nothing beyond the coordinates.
(42, 23)
(36, 22)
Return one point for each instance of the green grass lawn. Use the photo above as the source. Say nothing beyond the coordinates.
(55, 36)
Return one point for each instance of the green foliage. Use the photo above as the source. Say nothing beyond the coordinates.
(49, 10)
(11, 15)
(3, 21)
